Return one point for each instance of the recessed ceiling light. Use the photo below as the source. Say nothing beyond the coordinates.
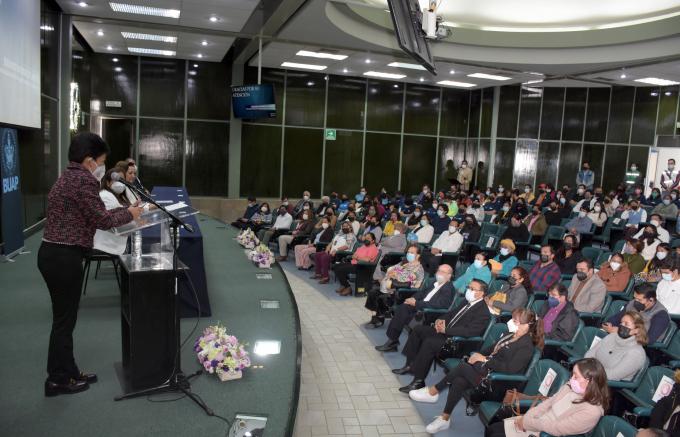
(310, 83)
(213, 19)
(395, 85)
(204, 43)
(82, 4)
(144, 10)
(109, 47)
(304, 66)
(422, 79)
(405, 65)
(149, 37)
(488, 76)
(654, 94)
(344, 70)
(623, 76)
(115, 59)
(456, 84)
(195, 65)
(151, 51)
(321, 55)
(657, 81)
(368, 61)
(47, 28)
(192, 73)
(118, 69)
(100, 32)
(667, 93)
(385, 75)
(452, 71)
(199, 56)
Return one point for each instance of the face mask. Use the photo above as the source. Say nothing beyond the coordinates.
(410, 257)
(453, 229)
(633, 168)
(501, 189)
(627, 249)
(639, 306)
(441, 213)
(655, 194)
(435, 205)
(263, 209)
(581, 276)
(582, 214)
(99, 172)
(488, 193)
(440, 278)
(576, 386)
(351, 218)
(416, 213)
(367, 242)
(655, 223)
(305, 197)
(545, 258)
(553, 302)
(614, 265)
(567, 246)
(306, 207)
(506, 208)
(666, 201)
(512, 281)
(512, 326)
(323, 225)
(580, 191)
(117, 187)
(563, 200)
(423, 223)
(624, 332)
(396, 232)
(661, 255)
(285, 203)
(598, 209)
(346, 231)
(527, 190)
(667, 276)
(548, 190)
(478, 263)
(505, 251)
(470, 295)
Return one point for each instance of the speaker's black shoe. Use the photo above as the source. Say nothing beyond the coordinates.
(90, 378)
(390, 346)
(70, 387)
(416, 384)
(403, 370)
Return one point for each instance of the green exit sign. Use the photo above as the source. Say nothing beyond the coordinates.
(330, 135)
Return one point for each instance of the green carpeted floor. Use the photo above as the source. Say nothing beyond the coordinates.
(235, 294)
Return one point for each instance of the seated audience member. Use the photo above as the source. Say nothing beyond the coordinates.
(303, 252)
(424, 231)
(413, 220)
(560, 319)
(553, 217)
(281, 225)
(262, 219)
(653, 313)
(503, 215)
(368, 252)
(286, 204)
(649, 241)
(580, 224)
(666, 209)
(503, 263)
(251, 209)
(634, 214)
(545, 273)
(657, 221)
(653, 199)
(332, 218)
(668, 288)
(390, 248)
(437, 296)
(512, 296)
(325, 203)
(299, 206)
(631, 255)
(598, 215)
(622, 353)
(471, 229)
(303, 229)
(439, 221)
(652, 270)
(587, 291)
(568, 255)
(536, 223)
(449, 241)
(478, 270)
(353, 222)
(373, 226)
(112, 194)
(516, 231)
(424, 342)
(665, 418)
(575, 409)
(307, 206)
(512, 354)
(528, 194)
(615, 273)
(345, 240)
(408, 273)
(389, 226)
(361, 195)
(476, 210)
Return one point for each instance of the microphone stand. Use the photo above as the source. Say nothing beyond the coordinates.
(178, 381)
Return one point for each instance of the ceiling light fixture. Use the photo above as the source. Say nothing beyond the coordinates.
(368, 61)
(109, 47)
(654, 94)
(118, 69)
(144, 10)
(204, 43)
(321, 55)
(82, 4)
(149, 37)
(192, 73)
(304, 66)
(456, 84)
(199, 56)
(384, 75)
(213, 19)
(100, 32)
(623, 76)
(406, 65)
(422, 79)
(488, 76)
(395, 85)
(667, 93)
(46, 28)
(657, 81)
(115, 59)
(452, 72)
(195, 65)
(344, 70)
(145, 51)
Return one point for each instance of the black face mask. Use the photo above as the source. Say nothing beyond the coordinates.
(567, 246)
(367, 242)
(624, 332)
(545, 258)
(350, 218)
(639, 306)
(581, 276)
(512, 281)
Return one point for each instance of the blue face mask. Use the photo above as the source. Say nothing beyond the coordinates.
(478, 263)
(410, 257)
(553, 302)
(470, 295)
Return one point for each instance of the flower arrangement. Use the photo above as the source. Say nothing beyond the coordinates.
(261, 256)
(247, 239)
(221, 353)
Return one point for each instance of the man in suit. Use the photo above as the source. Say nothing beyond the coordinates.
(424, 343)
(438, 295)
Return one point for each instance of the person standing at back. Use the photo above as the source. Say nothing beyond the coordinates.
(74, 212)
(465, 176)
(586, 176)
(669, 178)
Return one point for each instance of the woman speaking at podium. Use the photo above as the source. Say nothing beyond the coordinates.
(74, 212)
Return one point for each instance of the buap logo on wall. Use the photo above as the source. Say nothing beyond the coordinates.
(10, 152)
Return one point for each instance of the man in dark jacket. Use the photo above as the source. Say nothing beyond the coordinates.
(251, 209)
(653, 313)
(560, 319)
(424, 342)
(439, 295)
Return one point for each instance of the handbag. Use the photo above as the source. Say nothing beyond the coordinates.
(449, 349)
(513, 397)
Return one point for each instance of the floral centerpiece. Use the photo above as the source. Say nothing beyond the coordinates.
(247, 239)
(262, 256)
(221, 353)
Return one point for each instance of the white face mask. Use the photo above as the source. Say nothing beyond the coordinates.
(263, 209)
(478, 263)
(441, 213)
(582, 214)
(470, 295)
(305, 197)
(99, 172)
(423, 223)
(305, 217)
(453, 229)
(306, 207)
(324, 225)
(505, 251)
(440, 278)
(527, 190)
(117, 187)
(598, 209)
(512, 326)
(661, 255)
(654, 222)
(580, 191)
(667, 276)
(416, 213)
(463, 165)
(614, 265)
(397, 232)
